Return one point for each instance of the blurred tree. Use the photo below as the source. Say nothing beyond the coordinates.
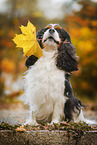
(18, 13)
(18, 8)
(82, 26)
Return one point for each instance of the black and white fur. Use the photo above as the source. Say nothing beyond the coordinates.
(47, 90)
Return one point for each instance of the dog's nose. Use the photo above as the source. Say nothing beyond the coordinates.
(51, 31)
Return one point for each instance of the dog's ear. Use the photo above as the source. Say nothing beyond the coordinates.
(67, 58)
(40, 36)
(64, 35)
(67, 45)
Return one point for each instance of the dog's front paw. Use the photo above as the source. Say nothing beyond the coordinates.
(31, 122)
(54, 122)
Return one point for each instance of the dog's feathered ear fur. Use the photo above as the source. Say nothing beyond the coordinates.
(40, 36)
(67, 58)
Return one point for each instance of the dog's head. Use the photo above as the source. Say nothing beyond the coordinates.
(54, 37)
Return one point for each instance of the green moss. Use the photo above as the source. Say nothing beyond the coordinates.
(73, 127)
(7, 126)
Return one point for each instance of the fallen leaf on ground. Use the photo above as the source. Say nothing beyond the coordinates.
(64, 123)
(21, 129)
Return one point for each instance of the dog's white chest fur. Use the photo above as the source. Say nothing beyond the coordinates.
(44, 88)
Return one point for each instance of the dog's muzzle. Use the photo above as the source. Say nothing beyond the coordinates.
(51, 36)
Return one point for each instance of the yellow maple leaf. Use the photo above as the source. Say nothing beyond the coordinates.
(28, 41)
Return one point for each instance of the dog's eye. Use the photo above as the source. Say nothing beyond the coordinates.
(48, 27)
(57, 27)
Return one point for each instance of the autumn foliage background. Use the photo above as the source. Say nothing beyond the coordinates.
(82, 27)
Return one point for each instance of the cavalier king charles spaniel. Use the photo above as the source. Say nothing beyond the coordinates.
(47, 89)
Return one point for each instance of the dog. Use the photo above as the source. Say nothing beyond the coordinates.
(47, 89)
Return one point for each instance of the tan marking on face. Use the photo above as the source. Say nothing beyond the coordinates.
(57, 27)
(48, 26)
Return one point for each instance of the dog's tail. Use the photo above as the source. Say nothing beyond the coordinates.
(83, 119)
(91, 122)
